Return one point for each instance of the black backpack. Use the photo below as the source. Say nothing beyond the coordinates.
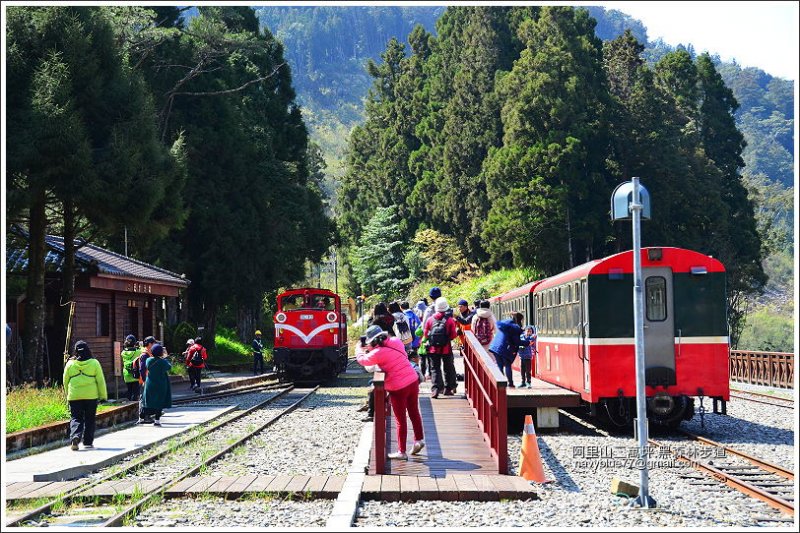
(438, 336)
(197, 357)
(135, 368)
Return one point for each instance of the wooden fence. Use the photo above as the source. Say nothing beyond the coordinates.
(771, 369)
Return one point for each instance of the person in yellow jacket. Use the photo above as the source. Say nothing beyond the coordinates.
(84, 384)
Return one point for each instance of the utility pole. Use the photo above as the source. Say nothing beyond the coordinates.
(335, 273)
(632, 199)
(126, 241)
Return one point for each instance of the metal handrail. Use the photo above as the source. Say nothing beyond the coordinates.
(485, 387)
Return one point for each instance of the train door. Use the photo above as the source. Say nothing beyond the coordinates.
(583, 333)
(659, 327)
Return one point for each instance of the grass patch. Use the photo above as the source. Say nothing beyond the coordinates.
(229, 351)
(29, 407)
(483, 286)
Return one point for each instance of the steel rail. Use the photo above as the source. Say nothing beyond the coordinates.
(133, 509)
(76, 493)
(788, 405)
(231, 392)
(732, 481)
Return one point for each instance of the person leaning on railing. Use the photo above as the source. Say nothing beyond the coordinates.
(401, 382)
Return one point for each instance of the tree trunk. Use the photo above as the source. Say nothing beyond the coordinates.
(210, 332)
(67, 295)
(247, 321)
(33, 334)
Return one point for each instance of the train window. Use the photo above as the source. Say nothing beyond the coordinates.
(321, 302)
(292, 302)
(656, 298)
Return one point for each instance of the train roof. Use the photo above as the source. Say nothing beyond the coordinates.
(679, 259)
(315, 290)
(519, 291)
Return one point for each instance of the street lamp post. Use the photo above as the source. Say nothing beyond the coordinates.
(631, 200)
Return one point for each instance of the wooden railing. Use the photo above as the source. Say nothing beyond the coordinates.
(485, 387)
(771, 369)
(381, 421)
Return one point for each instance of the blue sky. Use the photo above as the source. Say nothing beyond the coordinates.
(755, 34)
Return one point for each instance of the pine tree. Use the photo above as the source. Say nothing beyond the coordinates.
(377, 261)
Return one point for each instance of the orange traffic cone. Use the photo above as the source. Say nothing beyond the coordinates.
(530, 460)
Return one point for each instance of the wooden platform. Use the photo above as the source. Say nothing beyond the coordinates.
(324, 487)
(454, 443)
(448, 488)
(541, 394)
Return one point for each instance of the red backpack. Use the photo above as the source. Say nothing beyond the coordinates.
(483, 330)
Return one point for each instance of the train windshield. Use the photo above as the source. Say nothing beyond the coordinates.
(319, 302)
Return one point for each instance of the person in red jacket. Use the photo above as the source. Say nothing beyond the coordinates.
(196, 357)
(440, 330)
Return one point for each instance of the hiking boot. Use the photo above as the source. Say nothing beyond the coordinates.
(88, 446)
(398, 455)
(368, 419)
(156, 422)
(528, 385)
(363, 408)
(449, 392)
(434, 392)
(74, 445)
(418, 447)
(145, 421)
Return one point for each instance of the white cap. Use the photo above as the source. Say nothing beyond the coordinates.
(189, 342)
(441, 304)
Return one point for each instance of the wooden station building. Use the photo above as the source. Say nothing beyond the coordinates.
(115, 296)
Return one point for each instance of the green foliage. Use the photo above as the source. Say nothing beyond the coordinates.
(768, 330)
(377, 261)
(440, 255)
(229, 351)
(29, 407)
(477, 287)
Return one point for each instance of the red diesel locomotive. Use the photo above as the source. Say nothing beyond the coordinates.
(310, 335)
(586, 343)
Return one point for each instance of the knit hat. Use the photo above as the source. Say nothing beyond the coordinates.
(435, 292)
(130, 340)
(441, 305)
(157, 350)
(82, 350)
(149, 340)
(462, 301)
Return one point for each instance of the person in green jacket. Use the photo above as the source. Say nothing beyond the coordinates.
(422, 353)
(130, 353)
(157, 393)
(85, 384)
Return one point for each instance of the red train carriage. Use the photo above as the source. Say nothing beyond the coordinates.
(310, 335)
(586, 340)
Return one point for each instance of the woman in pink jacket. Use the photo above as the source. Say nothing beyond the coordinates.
(402, 383)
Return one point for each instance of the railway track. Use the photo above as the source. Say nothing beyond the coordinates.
(757, 478)
(156, 472)
(767, 399)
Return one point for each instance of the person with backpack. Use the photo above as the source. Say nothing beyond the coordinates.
(401, 382)
(383, 318)
(527, 351)
(195, 362)
(130, 353)
(484, 325)
(505, 344)
(85, 385)
(420, 308)
(402, 328)
(258, 353)
(440, 330)
(140, 372)
(414, 323)
(157, 392)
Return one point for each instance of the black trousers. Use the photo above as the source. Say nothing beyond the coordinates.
(525, 369)
(81, 421)
(425, 364)
(258, 362)
(194, 376)
(133, 390)
(436, 362)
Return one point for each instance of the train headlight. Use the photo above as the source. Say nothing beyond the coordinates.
(280, 318)
(331, 317)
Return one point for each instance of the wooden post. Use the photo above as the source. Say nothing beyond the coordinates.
(379, 433)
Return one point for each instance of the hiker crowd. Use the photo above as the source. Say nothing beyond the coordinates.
(412, 345)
